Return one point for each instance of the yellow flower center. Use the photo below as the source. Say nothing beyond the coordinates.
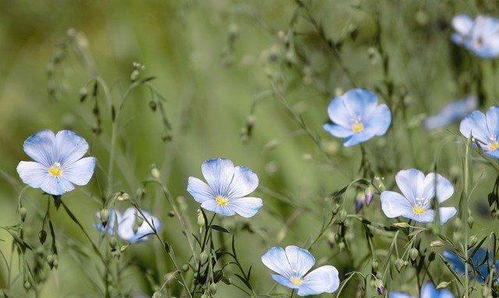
(55, 170)
(358, 127)
(418, 210)
(296, 281)
(222, 201)
(493, 146)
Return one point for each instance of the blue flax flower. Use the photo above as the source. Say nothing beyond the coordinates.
(132, 226)
(484, 128)
(480, 262)
(481, 35)
(357, 117)
(58, 162)
(427, 291)
(293, 263)
(418, 191)
(452, 112)
(227, 188)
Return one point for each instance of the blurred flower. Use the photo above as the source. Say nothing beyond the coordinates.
(427, 291)
(227, 188)
(481, 35)
(58, 162)
(107, 224)
(484, 128)
(293, 263)
(479, 262)
(356, 117)
(451, 113)
(418, 192)
(132, 226)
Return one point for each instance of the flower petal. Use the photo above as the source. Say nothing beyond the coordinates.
(244, 182)
(211, 205)
(276, 260)
(394, 204)
(301, 260)
(128, 220)
(379, 120)
(443, 186)
(462, 24)
(321, 280)
(32, 173)
(475, 124)
(199, 190)
(246, 207)
(79, 172)
(338, 113)
(218, 172)
(70, 147)
(284, 281)
(337, 130)
(410, 183)
(359, 102)
(56, 185)
(426, 217)
(493, 122)
(428, 291)
(358, 138)
(446, 213)
(41, 147)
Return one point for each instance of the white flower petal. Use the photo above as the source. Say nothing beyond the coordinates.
(394, 204)
(32, 173)
(246, 207)
(321, 280)
(199, 190)
(41, 147)
(443, 186)
(301, 260)
(244, 182)
(70, 147)
(80, 171)
(410, 183)
(218, 172)
(276, 260)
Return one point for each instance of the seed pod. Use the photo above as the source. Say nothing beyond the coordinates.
(413, 253)
(42, 236)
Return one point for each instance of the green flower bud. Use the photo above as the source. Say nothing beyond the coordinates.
(399, 263)
(203, 257)
(22, 212)
(413, 253)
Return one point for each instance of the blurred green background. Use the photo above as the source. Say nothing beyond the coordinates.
(216, 63)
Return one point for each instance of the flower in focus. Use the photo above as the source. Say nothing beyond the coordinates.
(291, 266)
(480, 262)
(227, 188)
(58, 162)
(132, 226)
(357, 117)
(484, 128)
(418, 191)
(452, 112)
(481, 35)
(427, 291)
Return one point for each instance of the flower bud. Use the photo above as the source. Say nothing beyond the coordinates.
(83, 94)
(470, 221)
(413, 253)
(368, 195)
(155, 172)
(375, 265)
(342, 215)
(42, 236)
(436, 243)
(443, 285)
(104, 216)
(380, 288)
(203, 257)
(123, 196)
(52, 261)
(213, 289)
(185, 268)
(399, 263)
(200, 221)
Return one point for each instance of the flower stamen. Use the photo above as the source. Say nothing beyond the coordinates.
(418, 210)
(358, 127)
(493, 146)
(222, 201)
(55, 170)
(296, 281)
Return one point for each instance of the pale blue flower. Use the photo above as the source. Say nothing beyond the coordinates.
(110, 224)
(452, 112)
(136, 226)
(132, 226)
(291, 266)
(480, 262)
(418, 191)
(484, 128)
(357, 117)
(481, 35)
(227, 188)
(427, 291)
(58, 162)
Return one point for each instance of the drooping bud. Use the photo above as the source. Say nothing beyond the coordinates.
(203, 257)
(22, 212)
(380, 288)
(200, 221)
(42, 236)
(359, 203)
(413, 253)
(123, 196)
(104, 216)
(368, 195)
(399, 263)
(155, 172)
